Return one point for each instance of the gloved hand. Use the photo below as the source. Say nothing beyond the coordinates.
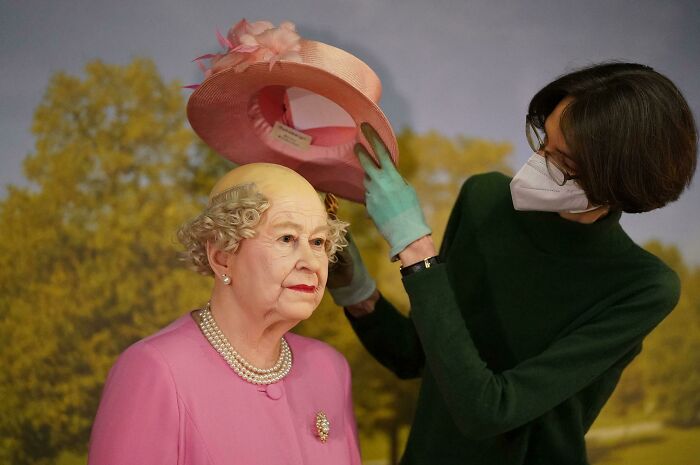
(349, 281)
(391, 202)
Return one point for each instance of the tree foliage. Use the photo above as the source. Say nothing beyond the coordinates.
(88, 261)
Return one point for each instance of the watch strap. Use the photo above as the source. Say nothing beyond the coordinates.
(419, 266)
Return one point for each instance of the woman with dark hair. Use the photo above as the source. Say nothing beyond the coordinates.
(521, 326)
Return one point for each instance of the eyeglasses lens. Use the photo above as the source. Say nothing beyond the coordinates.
(535, 136)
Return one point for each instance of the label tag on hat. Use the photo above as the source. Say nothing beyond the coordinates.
(290, 136)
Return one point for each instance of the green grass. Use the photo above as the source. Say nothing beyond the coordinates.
(670, 446)
(608, 418)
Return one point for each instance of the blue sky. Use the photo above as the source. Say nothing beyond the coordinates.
(460, 67)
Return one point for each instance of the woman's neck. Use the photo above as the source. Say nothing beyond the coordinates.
(255, 335)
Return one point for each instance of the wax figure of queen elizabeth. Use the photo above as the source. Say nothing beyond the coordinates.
(228, 383)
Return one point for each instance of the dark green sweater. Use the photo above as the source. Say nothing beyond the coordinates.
(521, 336)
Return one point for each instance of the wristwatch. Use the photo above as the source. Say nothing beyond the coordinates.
(419, 266)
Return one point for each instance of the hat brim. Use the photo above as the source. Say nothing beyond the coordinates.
(218, 111)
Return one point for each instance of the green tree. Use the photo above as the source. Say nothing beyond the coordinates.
(88, 260)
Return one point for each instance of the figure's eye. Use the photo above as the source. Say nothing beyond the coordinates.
(287, 238)
(318, 242)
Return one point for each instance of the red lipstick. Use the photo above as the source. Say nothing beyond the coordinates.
(303, 288)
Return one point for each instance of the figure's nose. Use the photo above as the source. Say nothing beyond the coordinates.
(309, 259)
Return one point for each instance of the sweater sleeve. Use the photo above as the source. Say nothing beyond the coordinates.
(391, 338)
(138, 417)
(484, 403)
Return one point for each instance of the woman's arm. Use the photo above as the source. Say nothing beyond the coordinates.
(390, 337)
(484, 403)
(385, 332)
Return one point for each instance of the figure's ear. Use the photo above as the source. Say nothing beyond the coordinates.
(218, 259)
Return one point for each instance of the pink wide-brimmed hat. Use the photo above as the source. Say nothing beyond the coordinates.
(275, 97)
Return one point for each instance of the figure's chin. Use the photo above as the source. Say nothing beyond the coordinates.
(306, 315)
(299, 311)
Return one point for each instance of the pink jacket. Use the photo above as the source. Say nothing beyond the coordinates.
(172, 399)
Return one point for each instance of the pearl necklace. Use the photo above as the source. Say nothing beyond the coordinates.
(241, 366)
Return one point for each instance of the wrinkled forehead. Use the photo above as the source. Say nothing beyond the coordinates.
(304, 209)
(293, 206)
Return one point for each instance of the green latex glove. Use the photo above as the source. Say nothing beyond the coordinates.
(391, 202)
(349, 281)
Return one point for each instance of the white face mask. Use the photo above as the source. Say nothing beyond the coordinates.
(532, 188)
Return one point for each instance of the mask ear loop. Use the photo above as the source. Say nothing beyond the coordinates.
(589, 209)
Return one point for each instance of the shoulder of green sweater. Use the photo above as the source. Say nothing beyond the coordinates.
(661, 278)
(672, 283)
(483, 193)
(490, 184)
(659, 297)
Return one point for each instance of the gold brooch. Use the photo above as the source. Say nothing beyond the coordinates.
(323, 426)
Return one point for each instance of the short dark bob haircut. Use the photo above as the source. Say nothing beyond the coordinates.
(629, 130)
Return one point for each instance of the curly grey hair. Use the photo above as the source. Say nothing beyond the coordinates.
(232, 216)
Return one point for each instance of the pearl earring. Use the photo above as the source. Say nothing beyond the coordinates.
(226, 279)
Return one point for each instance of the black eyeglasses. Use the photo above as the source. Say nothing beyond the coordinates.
(536, 136)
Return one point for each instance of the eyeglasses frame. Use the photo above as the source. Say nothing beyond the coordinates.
(532, 127)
